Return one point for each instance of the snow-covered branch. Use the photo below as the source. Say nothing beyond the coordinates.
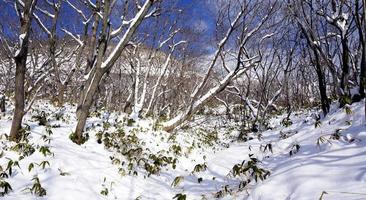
(111, 59)
(76, 38)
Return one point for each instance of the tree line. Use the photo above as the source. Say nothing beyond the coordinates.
(141, 58)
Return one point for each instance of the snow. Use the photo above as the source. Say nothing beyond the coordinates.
(76, 38)
(316, 43)
(342, 25)
(342, 22)
(336, 167)
(21, 39)
(80, 12)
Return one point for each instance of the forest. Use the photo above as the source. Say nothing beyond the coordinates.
(183, 99)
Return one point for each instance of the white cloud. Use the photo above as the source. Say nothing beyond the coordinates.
(200, 25)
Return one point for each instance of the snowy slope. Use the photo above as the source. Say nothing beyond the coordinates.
(335, 167)
(85, 172)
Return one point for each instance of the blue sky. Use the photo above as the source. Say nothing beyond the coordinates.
(197, 11)
(196, 15)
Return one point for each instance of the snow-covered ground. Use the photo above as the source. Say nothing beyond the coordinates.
(328, 158)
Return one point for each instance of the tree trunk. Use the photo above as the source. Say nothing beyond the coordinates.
(19, 97)
(90, 58)
(2, 103)
(85, 106)
(20, 59)
(362, 36)
(363, 60)
(95, 76)
(345, 72)
(363, 72)
(322, 85)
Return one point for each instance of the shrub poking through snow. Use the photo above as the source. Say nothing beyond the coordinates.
(41, 118)
(105, 190)
(30, 167)
(199, 168)
(199, 180)
(250, 169)
(322, 195)
(226, 190)
(43, 164)
(345, 100)
(285, 135)
(176, 149)
(180, 196)
(318, 123)
(45, 150)
(23, 148)
(5, 187)
(130, 122)
(84, 138)
(244, 135)
(158, 161)
(3, 173)
(63, 173)
(286, 122)
(37, 188)
(322, 139)
(266, 147)
(209, 138)
(177, 181)
(336, 135)
(347, 109)
(294, 149)
(130, 146)
(11, 164)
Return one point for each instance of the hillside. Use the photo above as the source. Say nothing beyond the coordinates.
(197, 162)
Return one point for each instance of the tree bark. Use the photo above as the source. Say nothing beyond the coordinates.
(345, 72)
(90, 59)
(2, 103)
(94, 79)
(363, 71)
(85, 106)
(362, 35)
(322, 85)
(20, 59)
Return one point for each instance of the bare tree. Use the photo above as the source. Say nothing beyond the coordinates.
(244, 61)
(319, 58)
(360, 13)
(25, 11)
(101, 66)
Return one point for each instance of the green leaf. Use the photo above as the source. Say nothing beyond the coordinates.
(45, 150)
(9, 167)
(177, 181)
(5, 186)
(180, 196)
(30, 167)
(44, 163)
